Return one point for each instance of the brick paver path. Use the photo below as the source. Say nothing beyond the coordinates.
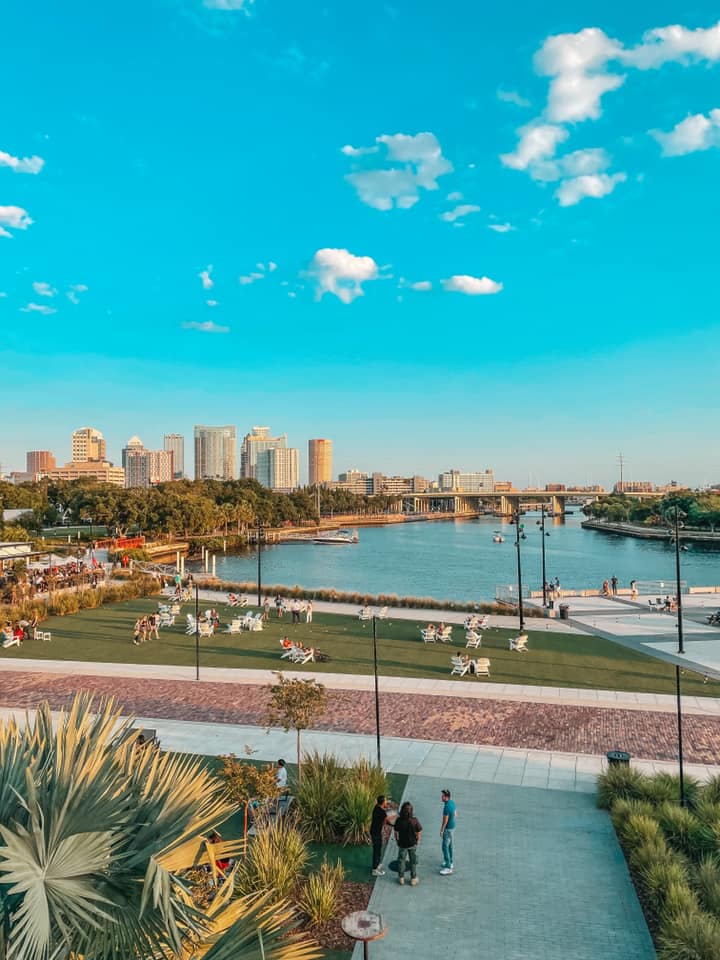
(535, 726)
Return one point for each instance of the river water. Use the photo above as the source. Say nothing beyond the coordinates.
(457, 560)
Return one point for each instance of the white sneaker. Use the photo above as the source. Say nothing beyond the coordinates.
(379, 872)
(446, 871)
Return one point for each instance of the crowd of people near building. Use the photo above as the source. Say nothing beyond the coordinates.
(18, 586)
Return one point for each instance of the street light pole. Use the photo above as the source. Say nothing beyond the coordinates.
(259, 549)
(197, 632)
(681, 649)
(377, 692)
(541, 524)
(518, 536)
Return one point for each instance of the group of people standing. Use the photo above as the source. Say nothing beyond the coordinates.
(407, 831)
(297, 608)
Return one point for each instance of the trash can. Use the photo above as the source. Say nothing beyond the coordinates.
(618, 758)
(564, 611)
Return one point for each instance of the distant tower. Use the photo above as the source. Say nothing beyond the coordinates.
(88, 446)
(175, 443)
(319, 461)
(215, 453)
(253, 446)
(38, 462)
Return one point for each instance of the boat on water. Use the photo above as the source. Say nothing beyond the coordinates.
(498, 537)
(337, 537)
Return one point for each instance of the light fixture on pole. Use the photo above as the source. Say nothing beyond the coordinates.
(677, 526)
(519, 535)
(197, 632)
(377, 691)
(541, 524)
(259, 555)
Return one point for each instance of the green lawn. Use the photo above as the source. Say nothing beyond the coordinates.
(554, 659)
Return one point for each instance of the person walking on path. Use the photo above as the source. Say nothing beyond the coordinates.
(408, 831)
(308, 612)
(266, 609)
(614, 584)
(447, 829)
(378, 821)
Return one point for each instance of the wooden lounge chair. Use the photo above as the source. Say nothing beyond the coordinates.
(482, 667)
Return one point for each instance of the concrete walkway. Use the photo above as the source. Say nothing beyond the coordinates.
(537, 876)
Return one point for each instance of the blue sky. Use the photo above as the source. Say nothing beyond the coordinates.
(444, 235)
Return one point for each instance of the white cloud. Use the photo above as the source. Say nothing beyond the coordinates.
(697, 132)
(419, 163)
(576, 64)
(251, 278)
(351, 151)
(501, 227)
(472, 286)
(597, 185)
(538, 141)
(206, 278)
(42, 308)
(272, 267)
(512, 96)
(455, 195)
(421, 285)
(13, 218)
(674, 43)
(74, 291)
(243, 5)
(575, 164)
(211, 303)
(341, 273)
(462, 210)
(21, 164)
(43, 289)
(207, 326)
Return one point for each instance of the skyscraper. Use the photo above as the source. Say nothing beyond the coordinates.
(38, 462)
(253, 445)
(215, 450)
(175, 443)
(145, 468)
(277, 468)
(319, 461)
(88, 446)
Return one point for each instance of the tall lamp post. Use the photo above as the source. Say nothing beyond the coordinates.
(541, 524)
(197, 632)
(259, 552)
(377, 691)
(519, 535)
(676, 517)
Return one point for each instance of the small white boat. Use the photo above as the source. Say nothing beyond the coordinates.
(498, 537)
(339, 536)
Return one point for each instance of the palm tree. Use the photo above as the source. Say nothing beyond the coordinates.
(96, 832)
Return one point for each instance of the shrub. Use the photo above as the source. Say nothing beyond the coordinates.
(650, 853)
(657, 880)
(371, 775)
(320, 893)
(694, 936)
(356, 807)
(710, 791)
(275, 860)
(622, 809)
(684, 831)
(639, 829)
(246, 781)
(678, 901)
(665, 788)
(707, 884)
(318, 796)
(620, 783)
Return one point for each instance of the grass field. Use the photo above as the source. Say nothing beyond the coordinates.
(554, 659)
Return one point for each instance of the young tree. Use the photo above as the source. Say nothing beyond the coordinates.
(295, 705)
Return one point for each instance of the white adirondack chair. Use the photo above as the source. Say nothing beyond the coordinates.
(473, 639)
(482, 667)
(459, 667)
(519, 644)
(428, 635)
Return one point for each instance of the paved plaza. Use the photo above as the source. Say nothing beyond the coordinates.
(538, 875)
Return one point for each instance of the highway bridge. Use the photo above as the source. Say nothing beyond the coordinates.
(502, 504)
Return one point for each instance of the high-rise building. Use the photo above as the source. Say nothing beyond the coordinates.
(38, 462)
(175, 443)
(277, 468)
(476, 481)
(88, 446)
(319, 461)
(145, 468)
(215, 453)
(253, 445)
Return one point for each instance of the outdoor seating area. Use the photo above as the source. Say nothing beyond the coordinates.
(296, 652)
(236, 600)
(473, 639)
(433, 634)
(462, 664)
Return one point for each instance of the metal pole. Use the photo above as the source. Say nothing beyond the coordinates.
(681, 646)
(519, 571)
(197, 632)
(681, 649)
(259, 552)
(542, 534)
(680, 734)
(377, 692)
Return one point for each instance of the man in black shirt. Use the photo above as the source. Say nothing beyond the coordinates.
(379, 819)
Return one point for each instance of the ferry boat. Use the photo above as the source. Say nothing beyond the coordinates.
(498, 537)
(338, 536)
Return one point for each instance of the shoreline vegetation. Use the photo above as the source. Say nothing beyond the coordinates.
(647, 533)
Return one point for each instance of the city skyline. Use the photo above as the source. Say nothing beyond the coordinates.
(503, 253)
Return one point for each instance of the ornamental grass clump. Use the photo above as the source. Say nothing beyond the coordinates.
(620, 783)
(693, 936)
(638, 829)
(707, 884)
(356, 807)
(665, 788)
(276, 858)
(319, 898)
(684, 831)
(623, 809)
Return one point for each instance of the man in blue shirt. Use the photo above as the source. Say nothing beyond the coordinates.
(446, 832)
